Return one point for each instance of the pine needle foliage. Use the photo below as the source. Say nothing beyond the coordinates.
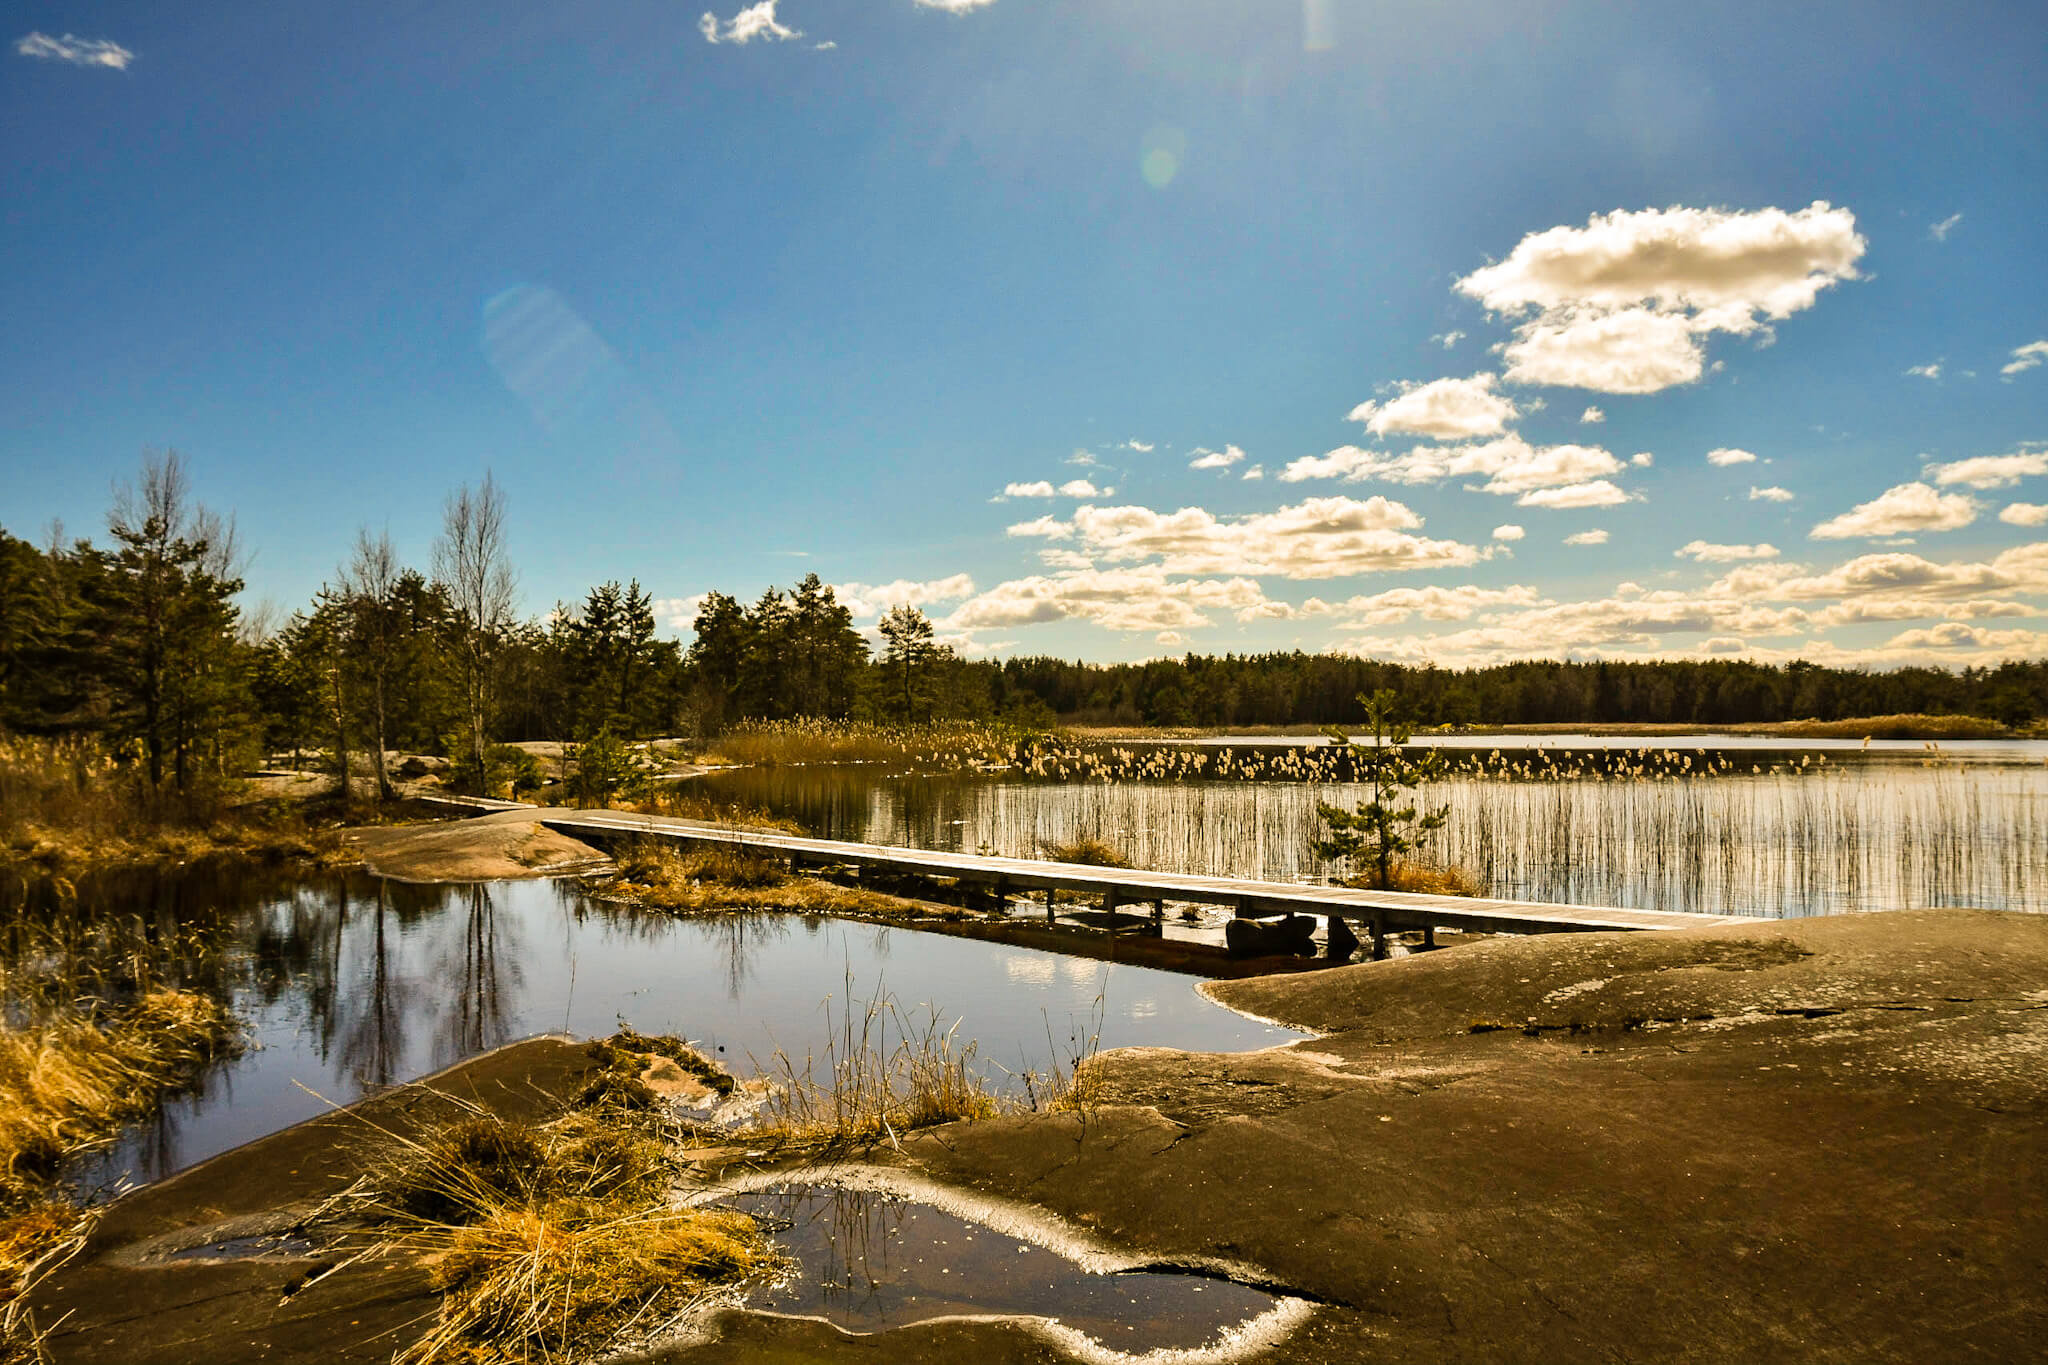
(1378, 833)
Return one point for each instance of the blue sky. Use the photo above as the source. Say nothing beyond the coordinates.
(947, 302)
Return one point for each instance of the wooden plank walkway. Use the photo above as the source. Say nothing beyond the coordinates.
(1381, 911)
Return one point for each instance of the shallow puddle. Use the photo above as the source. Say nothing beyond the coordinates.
(867, 1261)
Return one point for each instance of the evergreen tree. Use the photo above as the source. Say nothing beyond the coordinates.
(1383, 828)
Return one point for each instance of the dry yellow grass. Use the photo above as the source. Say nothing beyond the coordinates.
(1426, 878)
(711, 877)
(73, 1080)
(555, 1240)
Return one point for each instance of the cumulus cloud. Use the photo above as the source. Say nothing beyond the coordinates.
(1431, 603)
(1940, 231)
(1442, 409)
(1931, 370)
(1622, 305)
(1956, 635)
(75, 50)
(1635, 350)
(1642, 459)
(1510, 464)
(864, 599)
(1138, 598)
(1707, 553)
(1905, 509)
(1215, 459)
(955, 6)
(1770, 494)
(1586, 538)
(678, 613)
(1048, 527)
(1597, 493)
(1509, 532)
(1086, 460)
(1257, 471)
(1991, 471)
(2026, 357)
(2025, 514)
(1079, 488)
(1592, 414)
(1728, 455)
(1142, 447)
(755, 21)
(1037, 488)
(1317, 538)
(1449, 339)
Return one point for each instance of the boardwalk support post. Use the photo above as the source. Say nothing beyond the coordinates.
(1002, 895)
(1379, 936)
(1050, 913)
(1429, 936)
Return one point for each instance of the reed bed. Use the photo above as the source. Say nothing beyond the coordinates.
(884, 1072)
(1677, 831)
(944, 746)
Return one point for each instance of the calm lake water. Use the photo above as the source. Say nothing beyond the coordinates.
(1765, 832)
(352, 984)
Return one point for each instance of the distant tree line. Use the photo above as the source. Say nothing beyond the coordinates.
(138, 641)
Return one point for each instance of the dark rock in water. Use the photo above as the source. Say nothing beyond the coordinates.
(1287, 936)
(1340, 942)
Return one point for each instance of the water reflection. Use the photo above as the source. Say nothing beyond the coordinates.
(351, 984)
(866, 1261)
(1793, 839)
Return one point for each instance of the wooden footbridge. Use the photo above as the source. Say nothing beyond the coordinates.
(1119, 889)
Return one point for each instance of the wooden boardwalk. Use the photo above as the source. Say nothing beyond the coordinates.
(1121, 888)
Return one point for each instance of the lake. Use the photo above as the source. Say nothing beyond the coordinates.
(350, 984)
(1796, 828)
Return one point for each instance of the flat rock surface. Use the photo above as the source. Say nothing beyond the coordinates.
(1815, 1140)
(483, 848)
(128, 1299)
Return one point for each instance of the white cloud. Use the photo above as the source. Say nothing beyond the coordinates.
(1085, 460)
(863, 599)
(2026, 357)
(827, 46)
(1771, 494)
(1257, 471)
(955, 6)
(755, 21)
(1142, 447)
(1598, 493)
(1901, 510)
(1510, 532)
(1586, 538)
(1170, 637)
(1592, 414)
(2025, 514)
(1037, 488)
(1893, 574)
(678, 613)
(1728, 455)
(1940, 231)
(1431, 603)
(1991, 471)
(1079, 488)
(1051, 528)
(1622, 304)
(1642, 459)
(1510, 463)
(75, 50)
(1956, 635)
(1141, 598)
(1316, 538)
(1443, 409)
(1708, 553)
(1635, 350)
(1449, 339)
(1215, 459)
(1931, 370)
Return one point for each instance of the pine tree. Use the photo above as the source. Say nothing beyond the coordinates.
(1383, 828)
